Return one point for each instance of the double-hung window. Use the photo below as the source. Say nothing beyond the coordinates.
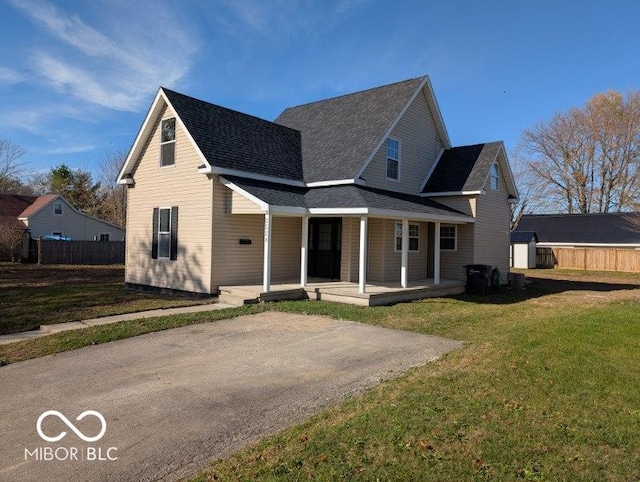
(57, 208)
(164, 244)
(393, 159)
(168, 142)
(494, 176)
(448, 241)
(414, 237)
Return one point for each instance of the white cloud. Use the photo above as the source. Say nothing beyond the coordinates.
(117, 64)
(10, 76)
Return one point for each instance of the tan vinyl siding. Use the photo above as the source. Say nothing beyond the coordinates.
(235, 263)
(492, 227)
(285, 252)
(376, 255)
(179, 185)
(71, 223)
(393, 259)
(420, 145)
(452, 262)
(464, 204)
(350, 249)
(238, 204)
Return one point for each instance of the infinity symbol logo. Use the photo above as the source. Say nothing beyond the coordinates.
(71, 426)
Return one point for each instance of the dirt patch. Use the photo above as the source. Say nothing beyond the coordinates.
(14, 275)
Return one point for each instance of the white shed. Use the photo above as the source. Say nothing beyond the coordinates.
(523, 249)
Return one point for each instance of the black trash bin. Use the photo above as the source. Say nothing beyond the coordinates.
(478, 278)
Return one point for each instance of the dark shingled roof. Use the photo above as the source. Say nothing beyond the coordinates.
(463, 168)
(343, 196)
(523, 237)
(233, 140)
(611, 228)
(339, 134)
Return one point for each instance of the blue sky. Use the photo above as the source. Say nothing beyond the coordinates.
(77, 77)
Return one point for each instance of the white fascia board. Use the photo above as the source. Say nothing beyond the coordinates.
(588, 245)
(433, 168)
(438, 113)
(288, 210)
(126, 167)
(391, 213)
(507, 167)
(338, 211)
(391, 127)
(336, 182)
(259, 202)
(222, 171)
(451, 193)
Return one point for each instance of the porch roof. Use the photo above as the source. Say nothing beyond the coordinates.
(344, 199)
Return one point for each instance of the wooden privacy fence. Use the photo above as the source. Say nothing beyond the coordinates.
(79, 252)
(604, 259)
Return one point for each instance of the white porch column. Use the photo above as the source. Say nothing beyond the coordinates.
(266, 267)
(436, 255)
(304, 251)
(362, 267)
(404, 270)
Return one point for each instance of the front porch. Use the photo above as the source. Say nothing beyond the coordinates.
(375, 294)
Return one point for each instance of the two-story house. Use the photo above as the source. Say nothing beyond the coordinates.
(363, 192)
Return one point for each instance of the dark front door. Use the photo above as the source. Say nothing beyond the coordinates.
(325, 239)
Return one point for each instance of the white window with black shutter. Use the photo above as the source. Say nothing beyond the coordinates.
(165, 233)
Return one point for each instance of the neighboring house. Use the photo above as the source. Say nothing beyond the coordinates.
(52, 215)
(362, 188)
(523, 249)
(587, 241)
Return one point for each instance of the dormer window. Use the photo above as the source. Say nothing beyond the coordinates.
(393, 159)
(168, 142)
(57, 208)
(494, 176)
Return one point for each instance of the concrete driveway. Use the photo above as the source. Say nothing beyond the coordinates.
(174, 400)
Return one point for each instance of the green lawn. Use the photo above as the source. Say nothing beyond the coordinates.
(545, 388)
(32, 295)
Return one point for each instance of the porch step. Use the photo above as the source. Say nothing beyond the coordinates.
(238, 297)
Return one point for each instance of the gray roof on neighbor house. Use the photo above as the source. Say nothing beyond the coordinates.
(339, 134)
(233, 140)
(463, 168)
(609, 228)
(519, 237)
(343, 196)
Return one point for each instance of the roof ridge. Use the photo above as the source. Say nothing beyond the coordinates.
(229, 109)
(353, 93)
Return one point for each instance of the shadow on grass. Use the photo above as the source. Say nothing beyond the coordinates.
(536, 287)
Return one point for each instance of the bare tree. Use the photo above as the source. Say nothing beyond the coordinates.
(11, 165)
(113, 197)
(588, 159)
(10, 242)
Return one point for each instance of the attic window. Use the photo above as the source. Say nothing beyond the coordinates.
(57, 208)
(393, 159)
(168, 142)
(494, 176)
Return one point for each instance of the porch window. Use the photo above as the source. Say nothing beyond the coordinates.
(414, 237)
(393, 159)
(168, 142)
(448, 238)
(494, 176)
(164, 244)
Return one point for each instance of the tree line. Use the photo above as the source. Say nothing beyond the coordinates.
(583, 160)
(101, 197)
